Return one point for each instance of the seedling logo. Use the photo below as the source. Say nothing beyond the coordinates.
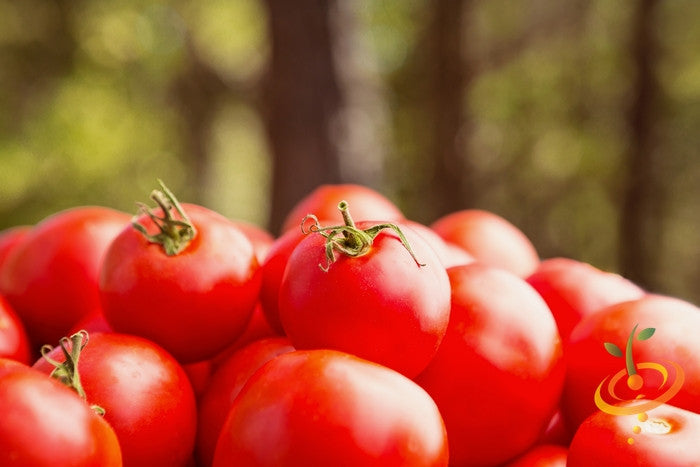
(638, 387)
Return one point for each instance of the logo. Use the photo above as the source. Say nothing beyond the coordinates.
(638, 387)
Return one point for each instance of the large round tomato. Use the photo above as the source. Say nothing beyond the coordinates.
(385, 305)
(45, 423)
(145, 393)
(662, 437)
(323, 407)
(367, 204)
(574, 289)
(193, 302)
(490, 239)
(14, 342)
(50, 277)
(674, 345)
(497, 376)
(225, 384)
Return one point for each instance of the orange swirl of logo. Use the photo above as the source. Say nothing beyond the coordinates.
(621, 406)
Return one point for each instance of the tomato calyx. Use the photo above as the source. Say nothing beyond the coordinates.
(67, 372)
(175, 234)
(349, 239)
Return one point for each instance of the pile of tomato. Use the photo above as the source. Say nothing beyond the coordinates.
(357, 337)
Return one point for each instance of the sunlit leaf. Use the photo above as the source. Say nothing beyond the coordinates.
(612, 349)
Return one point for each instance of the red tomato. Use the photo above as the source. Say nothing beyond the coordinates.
(272, 272)
(260, 238)
(194, 303)
(367, 204)
(145, 393)
(490, 239)
(323, 407)
(50, 277)
(45, 423)
(449, 254)
(9, 238)
(14, 342)
(381, 305)
(574, 289)
(497, 376)
(542, 455)
(674, 340)
(225, 385)
(663, 437)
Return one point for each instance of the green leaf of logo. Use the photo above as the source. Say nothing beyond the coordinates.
(613, 349)
(645, 334)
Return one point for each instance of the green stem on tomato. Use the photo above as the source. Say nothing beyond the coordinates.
(67, 372)
(175, 234)
(348, 239)
(629, 360)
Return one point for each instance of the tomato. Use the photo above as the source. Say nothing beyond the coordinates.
(324, 407)
(498, 374)
(449, 253)
(674, 343)
(385, 304)
(542, 455)
(9, 238)
(50, 277)
(45, 423)
(574, 289)
(144, 392)
(367, 204)
(193, 302)
(14, 342)
(224, 386)
(490, 239)
(260, 238)
(663, 437)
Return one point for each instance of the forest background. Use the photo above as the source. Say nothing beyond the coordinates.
(578, 121)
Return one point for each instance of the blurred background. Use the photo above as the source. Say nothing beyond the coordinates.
(577, 121)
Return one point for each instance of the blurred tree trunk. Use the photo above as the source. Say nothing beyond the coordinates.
(642, 209)
(196, 92)
(450, 76)
(301, 100)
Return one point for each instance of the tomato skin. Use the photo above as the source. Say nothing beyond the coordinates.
(147, 397)
(14, 342)
(44, 423)
(602, 439)
(381, 306)
(542, 455)
(449, 254)
(225, 384)
(497, 376)
(367, 204)
(193, 304)
(490, 239)
(260, 238)
(574, 289)
(588, 363)
(9, 238)
(50, 277)
(323, 407)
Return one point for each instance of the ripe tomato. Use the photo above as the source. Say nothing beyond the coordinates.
(224, 386)
(50, 276)
(45, 423)
(542, 455)
(674, 340)
(367, 204)
(574, 289)
(144, 392)
(449, 253)
(381, 305)
(324, 407)
(9, 238)
(490, 239)
(497, 376)
(260, 238)
(194, 302)
(663, 437)
(14, 342)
